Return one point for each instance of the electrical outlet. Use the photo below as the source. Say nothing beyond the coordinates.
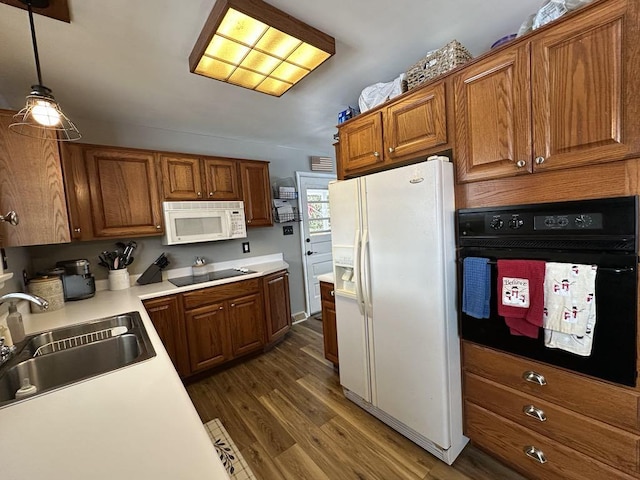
(287, 230)
(245, 247)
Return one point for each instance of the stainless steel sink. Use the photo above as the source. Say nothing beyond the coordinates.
(68, 355)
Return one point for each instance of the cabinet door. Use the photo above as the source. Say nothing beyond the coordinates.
(246, 320)
(208, 337)
(278, 308)
(416, 123)
(221, 177)
(77, 190)
(124, 194)
(582, 75)
(31, 184)
(181, 177)
(256, 193)
(361, 144)
(329, 331)
(492, 111)
(166, 316)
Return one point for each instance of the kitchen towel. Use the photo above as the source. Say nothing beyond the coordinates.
(476, 288)
(569, 292)
(585, 308)
(521, 295)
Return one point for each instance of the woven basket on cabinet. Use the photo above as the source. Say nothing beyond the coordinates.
(437, 62)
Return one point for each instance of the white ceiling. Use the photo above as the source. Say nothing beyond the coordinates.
(126, 61)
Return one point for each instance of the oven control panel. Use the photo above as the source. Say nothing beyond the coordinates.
(517, 221)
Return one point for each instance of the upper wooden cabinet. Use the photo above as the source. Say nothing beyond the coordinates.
(559, 100)
(256, 193)
(412, 126)
(199, 178)
(31, 184)
(123, 191)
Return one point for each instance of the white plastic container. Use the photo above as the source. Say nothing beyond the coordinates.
(119, 279)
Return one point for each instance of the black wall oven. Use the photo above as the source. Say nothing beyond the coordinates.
(601, 232)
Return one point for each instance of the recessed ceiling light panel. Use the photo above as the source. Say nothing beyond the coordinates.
(254, 45)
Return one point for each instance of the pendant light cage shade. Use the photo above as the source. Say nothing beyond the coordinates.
(42, 115)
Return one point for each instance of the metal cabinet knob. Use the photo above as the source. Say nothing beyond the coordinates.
(376, 154)
(533, 377)
(391, 149)
(233, 304)
(11, 218)
(220, 308)
(333, 293)
(532, 452)
(76, 230)
(539, 160)
(158, 227)
(199, 194)
(211, 194)
(534, 412)
(520, 163)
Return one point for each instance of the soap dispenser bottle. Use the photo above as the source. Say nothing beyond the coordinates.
(14, 322)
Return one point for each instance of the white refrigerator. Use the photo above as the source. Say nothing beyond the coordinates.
(393, 249)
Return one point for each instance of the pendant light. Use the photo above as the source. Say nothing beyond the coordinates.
(42, 114)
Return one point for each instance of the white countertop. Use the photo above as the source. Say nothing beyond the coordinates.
(326, 277)
(133, 423)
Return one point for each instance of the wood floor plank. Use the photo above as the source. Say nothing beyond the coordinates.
(316, 444)
(296, 465)
(286, 412)
(262, 464)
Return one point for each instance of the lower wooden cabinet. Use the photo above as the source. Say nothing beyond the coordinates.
(246, 324)
(166, 316)
(208, 336)
(566, 427)
(277, 305)
(206, 328)
(329, 330)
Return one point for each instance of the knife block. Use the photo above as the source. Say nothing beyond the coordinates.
(153, 274)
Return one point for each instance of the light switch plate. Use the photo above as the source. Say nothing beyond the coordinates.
(287, 230)
(245, 247)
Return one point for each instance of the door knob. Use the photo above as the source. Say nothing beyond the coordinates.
(309, 252)
(308, 240)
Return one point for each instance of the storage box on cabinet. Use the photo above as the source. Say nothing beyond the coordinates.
(603, 401)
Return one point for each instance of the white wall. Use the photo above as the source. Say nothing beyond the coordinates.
(263, 240)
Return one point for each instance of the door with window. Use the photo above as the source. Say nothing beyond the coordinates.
(313, 201)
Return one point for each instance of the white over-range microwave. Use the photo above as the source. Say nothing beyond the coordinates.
(191, 222)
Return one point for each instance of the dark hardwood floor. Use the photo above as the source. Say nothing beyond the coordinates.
(286, 413)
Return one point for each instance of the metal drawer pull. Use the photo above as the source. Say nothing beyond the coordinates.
(534, 412)
(534, 377)
(532, 452)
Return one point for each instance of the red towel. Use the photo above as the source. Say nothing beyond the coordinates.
(521, 295)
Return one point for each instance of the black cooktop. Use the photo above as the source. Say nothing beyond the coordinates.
(209, 277)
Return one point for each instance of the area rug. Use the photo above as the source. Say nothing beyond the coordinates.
(231, 458)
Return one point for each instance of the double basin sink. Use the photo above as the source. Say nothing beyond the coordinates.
(61, 357)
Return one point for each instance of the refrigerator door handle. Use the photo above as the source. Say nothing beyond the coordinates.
(364, 270)
(357, 245)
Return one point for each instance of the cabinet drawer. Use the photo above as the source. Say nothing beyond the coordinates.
(206, 296)
(596, 399)
(598, 440)
(509, 441)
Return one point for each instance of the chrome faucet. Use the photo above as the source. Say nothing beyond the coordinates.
(6, 351)
(41, 302)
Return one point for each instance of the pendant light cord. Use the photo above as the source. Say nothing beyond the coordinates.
(35, 43)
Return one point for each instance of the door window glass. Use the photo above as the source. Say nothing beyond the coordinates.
(318, 211)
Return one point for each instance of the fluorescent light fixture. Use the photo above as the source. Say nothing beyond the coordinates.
(251, 44)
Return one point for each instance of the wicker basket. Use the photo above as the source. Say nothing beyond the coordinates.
(437, 62)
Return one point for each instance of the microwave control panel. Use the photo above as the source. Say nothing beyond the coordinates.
(237, 223)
